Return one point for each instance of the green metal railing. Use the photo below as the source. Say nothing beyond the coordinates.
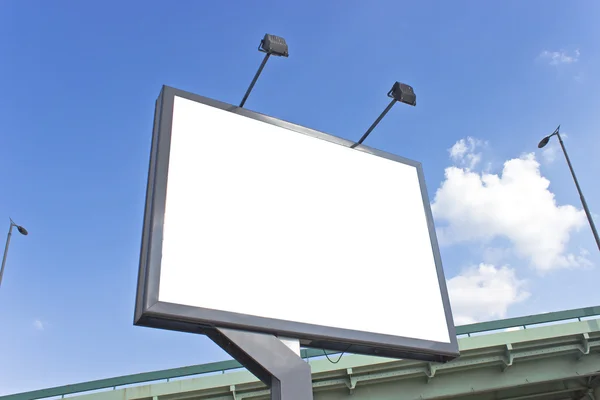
(223, 366)
(537, 319)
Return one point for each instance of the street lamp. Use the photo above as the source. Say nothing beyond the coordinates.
(23, 232)
(271, 45)
(399, 92)
(543, 143)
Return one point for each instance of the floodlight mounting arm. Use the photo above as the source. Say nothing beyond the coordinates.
(262, 66)
(271, 45)
(377, 121)
(399, 92)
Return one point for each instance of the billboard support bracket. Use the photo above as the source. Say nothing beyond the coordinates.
(270, 360)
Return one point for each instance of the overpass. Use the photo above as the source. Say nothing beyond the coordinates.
(550, 356)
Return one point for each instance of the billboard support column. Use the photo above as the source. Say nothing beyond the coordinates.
(270, 360)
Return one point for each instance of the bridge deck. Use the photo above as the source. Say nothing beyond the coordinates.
(557, 361)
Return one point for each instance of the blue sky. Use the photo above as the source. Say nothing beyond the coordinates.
(79, 82)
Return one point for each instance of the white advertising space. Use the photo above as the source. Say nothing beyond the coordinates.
(265, 221)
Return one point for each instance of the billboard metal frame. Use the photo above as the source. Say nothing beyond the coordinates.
(152, 313)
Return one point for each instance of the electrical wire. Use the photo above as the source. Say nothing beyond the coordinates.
(339, 358)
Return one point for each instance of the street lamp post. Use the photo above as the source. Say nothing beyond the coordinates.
(543, 143)
(22, 231)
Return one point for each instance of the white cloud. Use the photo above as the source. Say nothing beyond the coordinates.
(38, 325)
(515, 205)
(560, 57)
(549, 153)
(484, 292)
(496, 255)
(463, 152)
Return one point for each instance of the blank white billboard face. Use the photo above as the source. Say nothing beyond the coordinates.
(288, 231)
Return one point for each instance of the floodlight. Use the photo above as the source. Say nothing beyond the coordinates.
(399, 92)
(403, 93)
(272, 45)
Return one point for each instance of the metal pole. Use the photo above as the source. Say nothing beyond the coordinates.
(583, 202)
(262, 65)
(270, 360)
(362, 139)
(6, 251)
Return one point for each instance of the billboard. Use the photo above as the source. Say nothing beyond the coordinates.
(258, 224)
